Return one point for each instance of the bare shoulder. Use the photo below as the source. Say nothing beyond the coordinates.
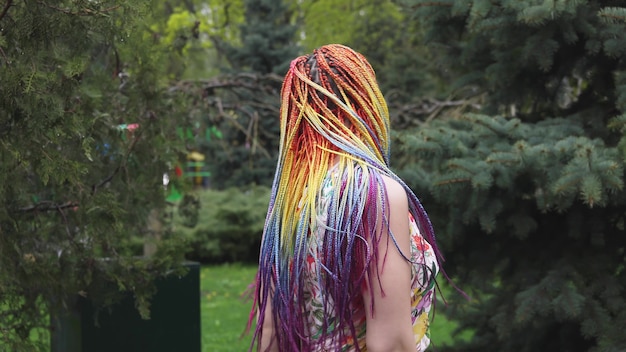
(389, 326)
(395, 193)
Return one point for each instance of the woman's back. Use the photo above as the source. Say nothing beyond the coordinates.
(342, 265)
(320, 309)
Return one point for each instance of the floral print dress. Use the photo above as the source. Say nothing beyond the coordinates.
(424, 271)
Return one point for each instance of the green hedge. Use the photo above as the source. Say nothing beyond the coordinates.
(223, 225)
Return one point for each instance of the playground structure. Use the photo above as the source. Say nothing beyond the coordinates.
(195, 169)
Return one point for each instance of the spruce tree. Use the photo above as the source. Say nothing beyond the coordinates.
(86, 120)
(267, 38)
(527, 192)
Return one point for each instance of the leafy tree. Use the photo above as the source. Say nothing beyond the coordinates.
(326, 21)
(244, 101)
(193, 28)
(411, 79)
(373, 28)
(87, 125)
(528, 193)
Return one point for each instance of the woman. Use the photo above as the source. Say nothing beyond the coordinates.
(348, 257)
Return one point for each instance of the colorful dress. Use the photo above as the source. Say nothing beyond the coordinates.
(424, 271)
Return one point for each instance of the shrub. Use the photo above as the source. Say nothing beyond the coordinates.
(229, 223)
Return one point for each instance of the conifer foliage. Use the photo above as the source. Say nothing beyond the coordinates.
(528, 193)
(267, 38)
(84, 116)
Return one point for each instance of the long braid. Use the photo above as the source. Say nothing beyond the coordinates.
(332, 111)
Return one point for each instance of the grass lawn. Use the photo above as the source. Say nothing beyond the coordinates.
(224, 313)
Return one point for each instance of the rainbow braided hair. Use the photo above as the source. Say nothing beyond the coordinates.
(332, 113)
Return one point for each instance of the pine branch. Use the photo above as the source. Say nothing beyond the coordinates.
(4, 56)
(453, 181)
(6, 9)
(95, 187)
(613, 14)
(82, 12)
(104, 181)
(432, 3)
(65, 222)
(48, 206)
